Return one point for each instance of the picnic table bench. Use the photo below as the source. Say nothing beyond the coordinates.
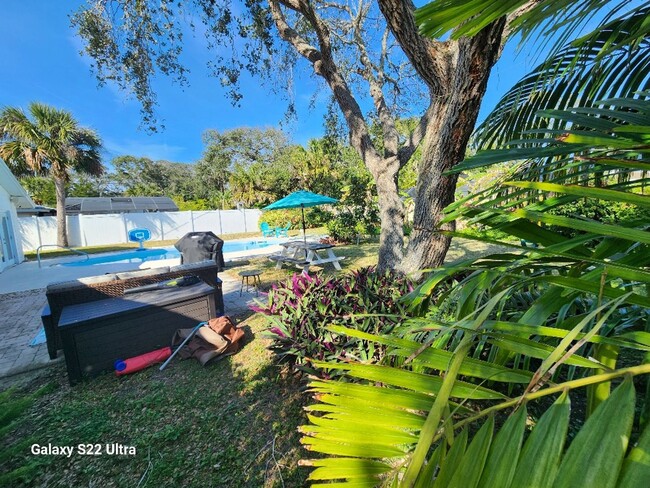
(286, 259)
(305, 254)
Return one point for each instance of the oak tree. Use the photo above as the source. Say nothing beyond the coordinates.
(369, 55)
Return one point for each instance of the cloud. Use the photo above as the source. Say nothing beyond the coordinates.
(154, 151)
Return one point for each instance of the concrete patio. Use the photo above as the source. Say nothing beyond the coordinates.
(22, 297)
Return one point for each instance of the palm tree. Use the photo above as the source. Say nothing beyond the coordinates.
(511, 329)
(609, 61)
(502, 333)
(50, 143)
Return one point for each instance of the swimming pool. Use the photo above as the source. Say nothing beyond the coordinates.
(154, 254)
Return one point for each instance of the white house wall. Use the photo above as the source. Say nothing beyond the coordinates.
(28, 233)
(7, 206)
(107, 229)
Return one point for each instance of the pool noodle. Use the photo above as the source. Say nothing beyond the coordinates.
(131, 365)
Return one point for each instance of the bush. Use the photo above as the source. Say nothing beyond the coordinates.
(317, 217)
(299, 309)
(342, 227)
(280, 218)
(346, 226)
(358, 212)
(618, 213)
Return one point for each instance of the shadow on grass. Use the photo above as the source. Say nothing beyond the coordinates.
(231, 423)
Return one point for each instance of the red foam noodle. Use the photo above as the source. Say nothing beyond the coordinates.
(131, 365)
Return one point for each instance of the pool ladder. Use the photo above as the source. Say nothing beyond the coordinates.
(38, 251)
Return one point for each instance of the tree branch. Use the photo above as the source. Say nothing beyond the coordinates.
(514, 15)
(414, 140)
(288, 34)
(324, 66)
(386, 117)
(427, 56)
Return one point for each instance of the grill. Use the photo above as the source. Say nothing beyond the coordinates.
(200, 246)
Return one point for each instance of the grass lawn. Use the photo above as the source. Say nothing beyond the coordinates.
(356, 256)
(232, 423)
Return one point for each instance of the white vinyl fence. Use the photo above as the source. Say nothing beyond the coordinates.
(98, 230)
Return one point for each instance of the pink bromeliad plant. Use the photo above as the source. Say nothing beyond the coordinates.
(300, 308)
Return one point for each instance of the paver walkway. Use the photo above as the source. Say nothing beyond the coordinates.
(20, 322)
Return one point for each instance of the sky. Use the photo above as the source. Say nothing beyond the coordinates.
(41, 62)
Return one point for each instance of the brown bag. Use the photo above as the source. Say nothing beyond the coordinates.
(219, 338)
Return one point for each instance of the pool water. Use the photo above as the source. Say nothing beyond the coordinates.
(155, 254)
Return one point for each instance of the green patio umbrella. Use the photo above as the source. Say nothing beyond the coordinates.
(302, 199)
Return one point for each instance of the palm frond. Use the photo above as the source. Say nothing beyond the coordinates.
(348, 412)
(526, 325)
(615, 133)
(50, 141)
(557, 21)
(85, 154)
(600, 65)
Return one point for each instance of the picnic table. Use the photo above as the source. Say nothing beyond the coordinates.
(305, 254)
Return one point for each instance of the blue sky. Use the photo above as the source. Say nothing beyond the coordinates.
(41, 62)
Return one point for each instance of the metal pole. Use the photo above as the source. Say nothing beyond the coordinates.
(38, 231)
(304, 233)
(194, 331)
(126, 228)
(245, 227)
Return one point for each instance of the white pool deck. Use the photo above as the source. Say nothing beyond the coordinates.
(22, 297)
(28, 275)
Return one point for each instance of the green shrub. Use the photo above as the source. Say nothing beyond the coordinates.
(346, 226)
(299, 309)
(280, 218)
(342, 227)
(617, 213)
(357, 212)
(198, 204)
(317, 217)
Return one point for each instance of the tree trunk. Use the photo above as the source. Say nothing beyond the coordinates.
(444, 146)
(61, 228)
(456, 100)
(383, 167)
(456, 74)
(391, 213)
(427, 247)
